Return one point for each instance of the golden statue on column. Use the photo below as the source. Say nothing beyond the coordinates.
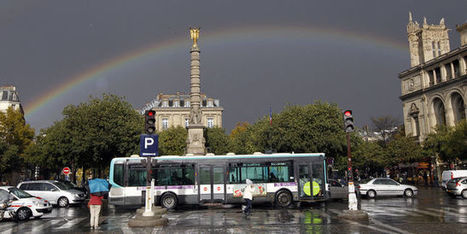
(194, 35)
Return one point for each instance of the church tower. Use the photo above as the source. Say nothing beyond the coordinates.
(426, 42)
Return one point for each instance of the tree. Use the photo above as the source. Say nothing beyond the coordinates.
(240, 139)
(217, 141)
(449, 143)
(385, 125)
(172, 141)
(15, 137)
(90, 134)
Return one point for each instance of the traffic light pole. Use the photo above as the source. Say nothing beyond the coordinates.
(353, 202)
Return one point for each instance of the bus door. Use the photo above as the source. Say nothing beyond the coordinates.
(304, 180)
(211, 184)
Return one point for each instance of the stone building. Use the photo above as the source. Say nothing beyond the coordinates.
(9, 97)
(434, 87)
(173, 110)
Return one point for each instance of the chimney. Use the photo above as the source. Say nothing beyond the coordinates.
(462, 29)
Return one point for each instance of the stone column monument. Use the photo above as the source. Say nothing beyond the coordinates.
(195, 141)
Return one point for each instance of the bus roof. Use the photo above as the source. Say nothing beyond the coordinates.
(239, 156)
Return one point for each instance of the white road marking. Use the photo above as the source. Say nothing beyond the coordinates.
(71, 223)
(361, 225)
(425, 212)
(446, 212)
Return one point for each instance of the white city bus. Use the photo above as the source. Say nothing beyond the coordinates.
(281, 178)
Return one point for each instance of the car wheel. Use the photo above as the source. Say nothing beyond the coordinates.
(283, 199)
(371, 194)
(408, 193)
(169, 201)
(63, 202)
(23, 214)
(464, 194)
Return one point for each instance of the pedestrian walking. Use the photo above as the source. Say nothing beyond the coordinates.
(95, 204)
(248, 196)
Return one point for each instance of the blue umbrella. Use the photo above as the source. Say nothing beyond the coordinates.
(98, 185)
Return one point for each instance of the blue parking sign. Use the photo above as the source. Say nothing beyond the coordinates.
(148, 145)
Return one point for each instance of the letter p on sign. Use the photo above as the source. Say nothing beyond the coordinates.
(148, 145)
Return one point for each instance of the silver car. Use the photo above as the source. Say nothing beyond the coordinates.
(457, 187)
(385, 187)
(55, 192)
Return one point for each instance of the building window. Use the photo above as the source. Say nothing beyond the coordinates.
(455, 64)
(165, 123)
(438, 75)
(187, 122)
(432, 79)
(433, 48)
(439, 48)
(187, 103)
(210, 122)
(447, 67)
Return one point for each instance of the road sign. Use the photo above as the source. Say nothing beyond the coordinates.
(148, 145)
(66, 170)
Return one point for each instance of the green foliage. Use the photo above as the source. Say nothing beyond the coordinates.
(90, 134)
(404, 149)
(448, 142)
(241, 140)
(15, 137)
(172, 141)
(217, 141)
(310, 128)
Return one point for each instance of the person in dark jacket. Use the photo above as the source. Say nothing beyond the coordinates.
(95, 204)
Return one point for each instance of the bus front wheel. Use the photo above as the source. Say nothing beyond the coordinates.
(283, 199)
(169, 201)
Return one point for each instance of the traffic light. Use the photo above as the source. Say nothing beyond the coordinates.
(149, 121)
(348, 121)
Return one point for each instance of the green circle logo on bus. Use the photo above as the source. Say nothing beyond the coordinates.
(307, 188)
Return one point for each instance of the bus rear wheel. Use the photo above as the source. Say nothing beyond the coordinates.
(283, 199)
(169, 201)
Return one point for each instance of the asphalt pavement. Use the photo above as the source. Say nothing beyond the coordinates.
(432, 211)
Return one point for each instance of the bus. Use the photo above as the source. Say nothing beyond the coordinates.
(279, 178)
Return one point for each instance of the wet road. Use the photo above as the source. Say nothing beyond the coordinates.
(432, 211)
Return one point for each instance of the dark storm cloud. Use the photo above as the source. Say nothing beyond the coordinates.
(46, 43)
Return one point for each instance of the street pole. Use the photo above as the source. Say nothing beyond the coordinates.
(148, 204)
(353, 202)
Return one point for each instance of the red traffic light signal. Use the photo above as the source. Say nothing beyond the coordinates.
(348, 121)
(150, 121)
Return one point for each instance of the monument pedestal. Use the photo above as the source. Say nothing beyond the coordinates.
(195, 141)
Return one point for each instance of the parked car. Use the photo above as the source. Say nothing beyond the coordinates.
(54, 191)
(24, 204)
(385, 187)
(451, 174)
(457, 187)
(337, 190)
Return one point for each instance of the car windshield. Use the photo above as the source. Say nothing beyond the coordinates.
(68, 184)
(20, 193)
(61, 185)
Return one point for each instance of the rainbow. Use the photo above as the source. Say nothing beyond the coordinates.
(220, 36)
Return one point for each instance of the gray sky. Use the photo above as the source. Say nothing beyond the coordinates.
(254, 54)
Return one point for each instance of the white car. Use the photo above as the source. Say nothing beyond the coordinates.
(24, 204)
(386, 187)
(55, 192)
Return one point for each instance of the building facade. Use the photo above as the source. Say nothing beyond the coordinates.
(9, 98)
(434, 88)
(173, 110)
